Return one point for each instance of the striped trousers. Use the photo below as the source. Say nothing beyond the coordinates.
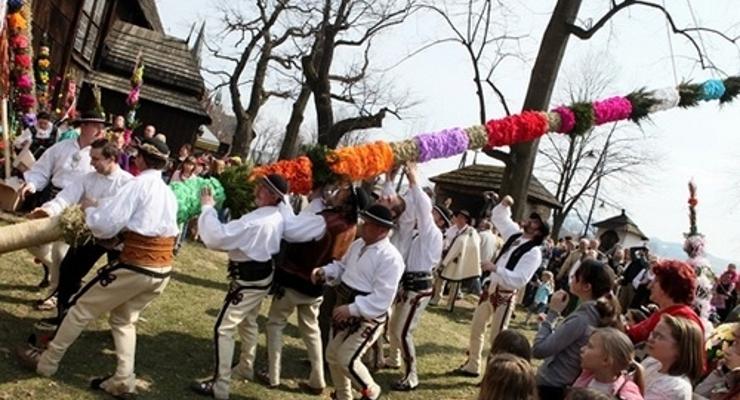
(344, 356)
(407, 311)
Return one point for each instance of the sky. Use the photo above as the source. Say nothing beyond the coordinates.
(702, 143)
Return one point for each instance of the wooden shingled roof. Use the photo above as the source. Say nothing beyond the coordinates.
(168, 60)
(149, 8)
(478, 178)
(621, 221)
(149, 92)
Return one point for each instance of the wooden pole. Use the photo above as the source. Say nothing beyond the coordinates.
(29, 233)
(6, 135)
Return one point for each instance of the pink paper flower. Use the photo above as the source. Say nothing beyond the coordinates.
(611, 110)
(24, 82)
(567, 119)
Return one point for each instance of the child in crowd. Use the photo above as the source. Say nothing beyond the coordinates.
(511, 341)
(605, 360)
(508, 377)
(561, 346)
(634, 316)
(676, 350)
(542, 295)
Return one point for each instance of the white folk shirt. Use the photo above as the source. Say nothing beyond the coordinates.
(403, 232)
(93, 186)
(307, 226)
(425, 250)
(488, 245)
(145, 205)
(253, 237)
(527, 265)
(374, 269)
(60, 165)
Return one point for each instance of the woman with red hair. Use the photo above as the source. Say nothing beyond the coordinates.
(673, 290)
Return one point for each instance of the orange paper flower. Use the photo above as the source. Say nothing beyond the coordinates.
(17, 22)
(297, 172)
(362, 162)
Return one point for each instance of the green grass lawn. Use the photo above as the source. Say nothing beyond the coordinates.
(175, 346)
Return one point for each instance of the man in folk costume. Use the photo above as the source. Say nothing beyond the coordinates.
(251, 242)
(518, 260)
(105, 182)
(144, 212)
(368, 279)
(424, 253)
(61, 165)
(461, 261)
(314, 238)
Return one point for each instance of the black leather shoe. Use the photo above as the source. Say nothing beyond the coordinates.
(402, 386)
(462, 372)
(203, 388)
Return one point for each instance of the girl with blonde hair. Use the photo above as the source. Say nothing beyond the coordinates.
(605, 360)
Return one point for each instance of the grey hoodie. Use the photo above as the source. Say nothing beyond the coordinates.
(561, 347)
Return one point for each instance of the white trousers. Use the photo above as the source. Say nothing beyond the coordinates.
(344, 356)
(308, 324)
(51, 255)
(123, 292)
(239, 314)
(407, 311)
(496, 309)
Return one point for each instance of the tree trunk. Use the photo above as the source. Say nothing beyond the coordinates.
(289, 149)
(544, 75)
(242, 137)
(558, 219)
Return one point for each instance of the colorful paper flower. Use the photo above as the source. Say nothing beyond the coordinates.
(665, 99)
(712, 89)
(26, 101)
(517, 128)
(19, 42)
(444, 144)
(16, 22)
(44, 63)
(362, 162)
(297, 172)
(133, 97)
(24, 82)
(567, 119)
(553, 121)
(584, 113)
(611, 110)
(14, 6)
(23, 61)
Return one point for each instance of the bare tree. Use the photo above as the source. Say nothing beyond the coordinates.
(581, 169)
(350, 26)
(561, 27)
(258, 31)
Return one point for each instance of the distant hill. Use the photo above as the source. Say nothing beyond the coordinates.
(675, 250)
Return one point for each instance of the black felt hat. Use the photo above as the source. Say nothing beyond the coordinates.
(91, 116)
(445, 213)
(153, 147)
(379, 215)
(464, 213)
(277, 184)
(544, 226)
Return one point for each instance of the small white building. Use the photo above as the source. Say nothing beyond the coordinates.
(619, 230)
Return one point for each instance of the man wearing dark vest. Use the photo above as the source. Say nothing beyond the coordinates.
(314, 238)
(517, 261)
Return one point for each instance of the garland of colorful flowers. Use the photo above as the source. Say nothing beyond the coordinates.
(23, 98)
(43, 64)
(132, 100)
(372, 159)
